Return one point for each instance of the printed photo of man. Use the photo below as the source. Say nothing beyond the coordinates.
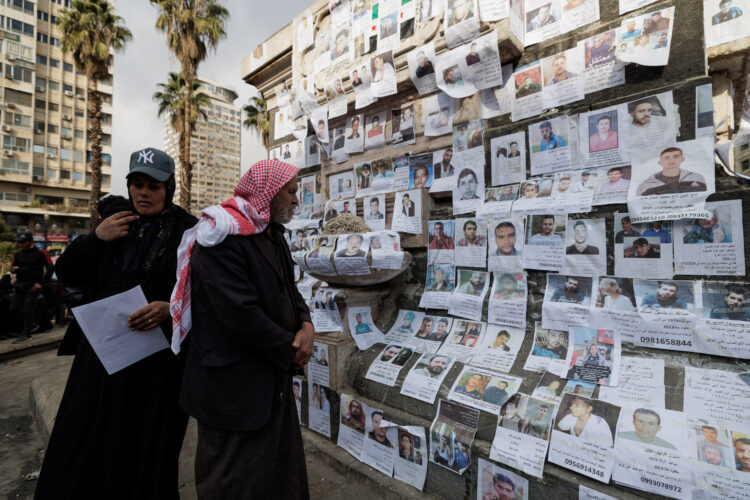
(647, 424)
(581, 245)
(672, 178)
(665, 297)
(505, 239)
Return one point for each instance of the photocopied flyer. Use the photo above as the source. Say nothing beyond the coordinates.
(522, 434)
(586, 247)
(667, 309)
(472, 67)
(651, 451)
(407, 212)
(464, 340)
(471, 242)
(468, 297)
(641, 383)
(362, 328)
(507, 305)
(527, 92)
(441, 281)
(505, 243)
(647, 39)
(388, 364)
(317, 369)
(424, 379)
(614, 307)
(353, 424)
(451, 435)
(593, 356)
(603, 137)
(720, 465)
(714, 245)
(566, 301)
(724, 21)
(545, 242)
(460, 22)
(642, 250)
(319, 408)
(549, 144)
(482, 389)
(410, 463)
(612, 185)
(422, 68)
(602, 70)
(499, 348)
(563, 78)
(723, 319)
(498, 202)
(543, 20)
(405, 327)
(717, 395)
(351, 254)
(508, 158)
(385, 250)
(380, 442)
(468, 188)
(586, 493)
(493, 479)
(431, 334)
(583, 436)
(549, 352)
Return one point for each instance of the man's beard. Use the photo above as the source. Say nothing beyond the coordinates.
(279, 213)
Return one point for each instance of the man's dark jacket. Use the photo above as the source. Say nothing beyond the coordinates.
(245, 312)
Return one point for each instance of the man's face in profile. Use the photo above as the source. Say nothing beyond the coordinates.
(436, 365)
(642, 114)
(505, 238)
(666, 292)
(571, 285)
(735, 300)
(614, 176)
(646, 426)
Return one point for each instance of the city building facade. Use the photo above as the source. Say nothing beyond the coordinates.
(214, 148)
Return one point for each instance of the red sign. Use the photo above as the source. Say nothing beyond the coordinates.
(63, 238)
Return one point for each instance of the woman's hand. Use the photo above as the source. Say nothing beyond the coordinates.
(149, 317)
(115, 226)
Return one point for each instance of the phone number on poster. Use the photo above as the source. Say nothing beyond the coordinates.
(584, 467)
(652, 340)
(666, 486)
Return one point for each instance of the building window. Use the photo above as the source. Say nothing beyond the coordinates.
(16, 143)
(41, 59)
(11, 196)
(41, 84)
(77, 155)
(79, 113)
(67, 67)
(39, 148)
(54, 41)
(54, 63)
(78, 134)
(66, 131)
(77, 176)
(53, 106)
(40, 14)
(64, 174)
(52, 129)
(17, 97)
(67, 88)
(40, 103)
(52, 173)
(22, 5)
(52, 150)
(64, 154)
(17, 119)
(14, 167)
(54, 85)
(18, 50)
(38, 172)
(41, 37)
(18, 73)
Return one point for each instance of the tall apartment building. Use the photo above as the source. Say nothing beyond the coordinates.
(44, 178)
(214, 148)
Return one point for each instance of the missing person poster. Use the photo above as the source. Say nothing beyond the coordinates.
(353, 424)
(351, 254)
(464, 340)
(318, 259)
(642, 250)
(527, 92)
(586, 247)
(507, 305)
(460, 22)
(713, 246)
(652, 123)
(424, 379)
(362, 328)
(439, 286)
(545, 248)
(471, 242)
(566, 301)
(385, 250)
(542, 19)
(388, 363)
(441, 247)
(505, 249)
(723, 319)
(651, 451)
(410, 463)
(603, 137)
(468, 189)
(467, 69)
(325, 312)
(383, 75)
(593, 356)
(482, 389)
(612, 185)
(563, 78)
(725, 21)
(438, 120)
(646, 39)
(468, 297)
(451, 435)
(614, 307)
(379, 447)
(721, 462)
(317, 369)
(717, 395)
(583, 436)
(496, 482)
(508, 158)
(601, 69)
(319, 408)
(549, 351)
(499, 348)
(407, 212)
(672, 183)
(443, 170)
(641, 383)
(498, 202)
(405, 327)
(522, 434)
(667, 309)
(549, 143)
(422, 68)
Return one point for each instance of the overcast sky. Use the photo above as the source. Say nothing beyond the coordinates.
(145, 62)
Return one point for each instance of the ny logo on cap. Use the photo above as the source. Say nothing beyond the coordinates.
(146, 156)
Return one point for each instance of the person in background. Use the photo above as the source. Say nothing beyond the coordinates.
(33, 269)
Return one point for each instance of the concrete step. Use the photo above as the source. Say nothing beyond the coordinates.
(37, 343)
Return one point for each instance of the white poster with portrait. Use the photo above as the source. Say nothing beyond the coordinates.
(402, 124)
(304, 29)
(468, 189)
(492, 10)
(730, 404)
(545, 242)
(410, 463)
(385, 250)
(405, 328)
(324, 311)
(351, 254)
(652, 124)
(361, 80)
(438, 120)
(388, 363)
(319, 409)
(505, 244)
(318, 369)
(725, 21)
(527, 92)
(353, 423)
(465, 70)
(363, 329)
(577, 13)
(550, 348)
(542, 19)
(496, 101)
(383, 74)
(563, 78)
(468, 297)
(355, 137)
(424, 379)
(407, 212)
(422, 68)
(336, 96)
(464, 340)
(642, 250)
(439, 286)
(483, 389)
(593, 356)
(603, 137)
(497, 202)
(549, 144)
(387, 26)
(508, 158)
(494, 480)
(672, 183)
(471, 242)
(441, 241)
(723, 319)
(573, 192)
(667, 309)
(614, 307)
(612, 185)
(712, 246)
(499, 348)
(507, 305)
(601, 68)
(646, 39)
(461, 21)
(641, 383)
(379, 448)
(374, 208)
(443, 170)
(586, 247)
(566, 301)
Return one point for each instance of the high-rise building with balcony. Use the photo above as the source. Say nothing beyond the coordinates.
(214, 148)
(45, 182)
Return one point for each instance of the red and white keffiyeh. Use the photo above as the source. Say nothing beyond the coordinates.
(249, 212)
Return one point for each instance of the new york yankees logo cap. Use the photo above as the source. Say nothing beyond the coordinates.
(152, 162)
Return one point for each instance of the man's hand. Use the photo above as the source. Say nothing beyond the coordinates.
(115, 226)
(303, 342)
(150, 316)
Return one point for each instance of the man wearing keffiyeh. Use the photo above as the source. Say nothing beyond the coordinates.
(249, 328)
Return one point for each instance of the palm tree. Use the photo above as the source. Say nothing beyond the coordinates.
(257, 118)
(171, 99)
(91, 31)
(192, 27)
